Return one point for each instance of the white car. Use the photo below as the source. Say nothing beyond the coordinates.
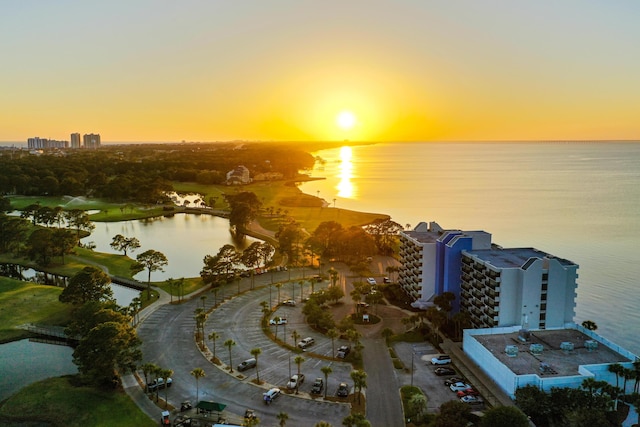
(459, 387)
(279, 321)
(443, 359)
(270, 395)
(289, 302)
(372, 281)
(306, 342)
(295, 381)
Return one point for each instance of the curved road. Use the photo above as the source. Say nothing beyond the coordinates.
(168, 331)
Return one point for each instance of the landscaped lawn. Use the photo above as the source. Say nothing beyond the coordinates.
(25, 302)
(58, 402)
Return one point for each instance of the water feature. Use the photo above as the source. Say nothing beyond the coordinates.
(25, 362)
(184, 239)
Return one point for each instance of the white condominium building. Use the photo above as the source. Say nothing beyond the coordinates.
(522, 286)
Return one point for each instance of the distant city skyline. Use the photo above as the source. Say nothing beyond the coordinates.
(360, 70)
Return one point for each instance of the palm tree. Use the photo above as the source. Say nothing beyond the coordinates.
(386, 334)
(255, 352)
(333, 333)
(355, 420)
(333, 274)
(198, 373)
(213, 336)
(203, 298)
(326, 370)
(230, 343)
(282, 417)
(215, 296)
(278, 285)
(166, 374)
(617, 369)
(359, 381)
(148, 368)
(323, 424)
(277, 320)
(298, 360)
(295, 335)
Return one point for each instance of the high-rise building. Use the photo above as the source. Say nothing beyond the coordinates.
(520, 286)
(430, 259)
(91, 141)
(75, 140)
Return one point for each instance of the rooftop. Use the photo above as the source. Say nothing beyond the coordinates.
(558, 361)
(513, 257)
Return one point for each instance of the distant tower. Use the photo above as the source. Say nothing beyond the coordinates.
(75, 140)
(91, 141)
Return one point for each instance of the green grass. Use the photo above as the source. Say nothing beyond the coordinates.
(59, 402)
(25, 302)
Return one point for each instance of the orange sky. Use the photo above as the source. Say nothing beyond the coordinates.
(159, 70)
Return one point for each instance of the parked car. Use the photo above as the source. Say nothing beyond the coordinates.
(159, 383)
(343, 351)
(372, 281)
(386, 280)
(295, 381)
(271, 395)
(289, 302)
(443, 359)
(278, 321)
(453, 380)
(442, 371)
(306, 342)
(363, 305)
(343, 390)
(317, 386)
(247, 364)
(456, 387)
(471, 399)
(468, 392)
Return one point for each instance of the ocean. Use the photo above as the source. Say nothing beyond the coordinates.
(578, 201)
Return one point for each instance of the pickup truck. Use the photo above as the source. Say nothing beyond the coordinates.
(317, 386)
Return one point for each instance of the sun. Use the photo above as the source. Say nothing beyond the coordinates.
(346, 120)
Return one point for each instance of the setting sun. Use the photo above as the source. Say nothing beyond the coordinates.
(346, 120)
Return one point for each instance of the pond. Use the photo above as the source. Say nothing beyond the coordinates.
(184, 239)
(25, 362)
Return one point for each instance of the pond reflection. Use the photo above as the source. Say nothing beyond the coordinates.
(184, 239)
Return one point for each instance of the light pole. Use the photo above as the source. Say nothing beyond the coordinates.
(412, 353)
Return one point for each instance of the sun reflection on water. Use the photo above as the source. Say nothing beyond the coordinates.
(345, 186)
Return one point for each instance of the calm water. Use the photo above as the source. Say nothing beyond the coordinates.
(183, 239)
(579, 201)
(24, 362)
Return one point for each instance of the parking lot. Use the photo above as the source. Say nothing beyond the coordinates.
(423, 374)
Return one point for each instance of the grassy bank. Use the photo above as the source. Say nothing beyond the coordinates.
(58, 402)
(24, 302)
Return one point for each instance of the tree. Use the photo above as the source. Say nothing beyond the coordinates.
(355, 420)
(295, 335)
(453, 413)
(504, 416)
(213, 336)
(41, 246)
(79, 219)
(250, 257)
(384, 232)
(89, 284)
(333, 333)
(282, 418)
(418, 406)
(198, 373)
(326, 370)
(359, 381)
(386, 334)
(590, 325)
(322, 424)
(245, 207)
(107, 346)
(289, 238)
(65, 240)
(166, 374)
(13, 232)
(151, 260)
(148, 368)
(222, 266)
(255, 352)
(229, 344)
(121, 243)
(299, 360)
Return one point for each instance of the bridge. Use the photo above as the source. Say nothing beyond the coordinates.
(129, 283)
(50, 334)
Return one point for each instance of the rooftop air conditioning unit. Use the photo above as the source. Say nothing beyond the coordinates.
(511, 350)
(566, 347)
(591, 345)
(536, 349)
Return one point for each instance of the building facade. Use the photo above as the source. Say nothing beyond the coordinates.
(91, 141)
(521, 286)
(75, 140)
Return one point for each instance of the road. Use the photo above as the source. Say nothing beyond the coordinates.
(168, 340)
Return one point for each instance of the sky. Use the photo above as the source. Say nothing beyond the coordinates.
(428, 70)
